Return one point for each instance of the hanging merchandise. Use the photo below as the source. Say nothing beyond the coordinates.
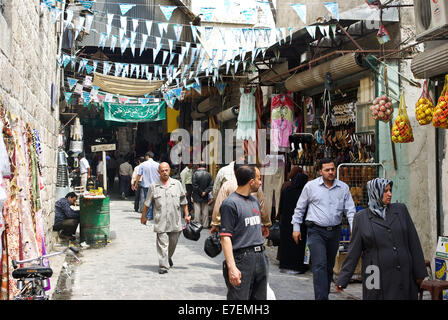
(282, 113)
(424, 108)
(440, 117)
(247, 116)
(382, 108)
(402, 130)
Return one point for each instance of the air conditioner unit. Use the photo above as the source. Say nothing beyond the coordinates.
(431, 17)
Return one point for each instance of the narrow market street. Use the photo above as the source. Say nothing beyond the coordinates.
(127, 268)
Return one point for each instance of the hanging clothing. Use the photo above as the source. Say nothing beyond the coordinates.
(282, 115)
(247, 116)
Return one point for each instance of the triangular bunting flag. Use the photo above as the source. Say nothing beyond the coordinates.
(110, 18)
(333, 8)
(113, 42)
(124, 44)
(89, 69)
(207, 12)
(165, 55)
(177, 31)
(300, 9)
(87, 4)
(124, 23)
(134, 24)
(89, 20)
(221, 86)
(125, 7)
(194, 32)
(312, 31)
(143, 44)
(148, 27)
(72, 82)
(170, 44)
(68, 95)
(168, 11)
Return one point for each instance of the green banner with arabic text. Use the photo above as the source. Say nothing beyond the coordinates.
(134, 112)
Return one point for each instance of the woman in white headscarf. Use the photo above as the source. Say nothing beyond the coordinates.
(384, 235)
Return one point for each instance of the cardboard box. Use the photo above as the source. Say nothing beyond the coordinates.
(357, 275)
(442, 248)
(441, 262)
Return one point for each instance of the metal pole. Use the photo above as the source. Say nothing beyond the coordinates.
(104, 173)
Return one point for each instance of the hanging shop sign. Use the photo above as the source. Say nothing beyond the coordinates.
(104, 147)
(134, 112)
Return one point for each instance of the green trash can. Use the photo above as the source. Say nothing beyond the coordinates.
(94, 219)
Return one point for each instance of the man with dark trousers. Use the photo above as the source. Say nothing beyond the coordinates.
(326, 199)
(245, 269)
(66, 219)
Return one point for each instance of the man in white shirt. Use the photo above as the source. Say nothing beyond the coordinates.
(84, 169)
(125, 173)
(148, 171)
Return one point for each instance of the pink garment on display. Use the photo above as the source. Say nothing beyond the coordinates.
(282, 100)
(281, 129)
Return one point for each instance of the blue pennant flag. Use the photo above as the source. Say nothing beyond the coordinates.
(89, 69)
(87, 4)
(300, 9)
(68, 95)
(207, 12)
(221, 86)
(71, 82)
(143, 100)
(125, 7)
(333, 8)
(168, 11)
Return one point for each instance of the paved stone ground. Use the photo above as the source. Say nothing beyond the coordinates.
(127, 268)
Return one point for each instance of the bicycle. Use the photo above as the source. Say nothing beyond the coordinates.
(32, 280)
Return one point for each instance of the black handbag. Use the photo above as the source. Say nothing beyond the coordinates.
(212, 245)
(274, 234)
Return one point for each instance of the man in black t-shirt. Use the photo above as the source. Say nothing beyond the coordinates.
(246, 266)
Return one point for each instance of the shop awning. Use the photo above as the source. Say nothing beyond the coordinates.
(125, 86)
(338, 68)
(134, 112)
(431, 63)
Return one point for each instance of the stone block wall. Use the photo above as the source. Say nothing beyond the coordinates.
(29, 70)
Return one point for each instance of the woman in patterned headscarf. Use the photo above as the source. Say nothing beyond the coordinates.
(393, 265)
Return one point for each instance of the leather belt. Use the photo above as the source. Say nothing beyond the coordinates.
(259, 248)
(310, 224)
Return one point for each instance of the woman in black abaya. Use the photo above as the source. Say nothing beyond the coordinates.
(291, 255)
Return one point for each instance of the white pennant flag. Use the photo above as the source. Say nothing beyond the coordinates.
(69, 18)
(108, 30)
(113, 42)
(177, 31)
(148, 27)
(133, 36)
(122, 33)
(143, 44)
(133, 66)
(110, 18)
(124, 23)
(158, 47)
(171, 58)
(133, 49)
(124, 44)
(170, 44)
(134, 24)
(165, 55)
(78, 25)
(181, 56)
(145, 73)
(89, 20)
(137, 71)
(312, 31)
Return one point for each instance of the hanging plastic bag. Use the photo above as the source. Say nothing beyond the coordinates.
(424, 108)
(402, 130)
(440, 116)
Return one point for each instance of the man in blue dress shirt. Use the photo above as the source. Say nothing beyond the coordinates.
(324, 199)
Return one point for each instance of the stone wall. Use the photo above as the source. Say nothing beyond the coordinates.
(28, 49)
